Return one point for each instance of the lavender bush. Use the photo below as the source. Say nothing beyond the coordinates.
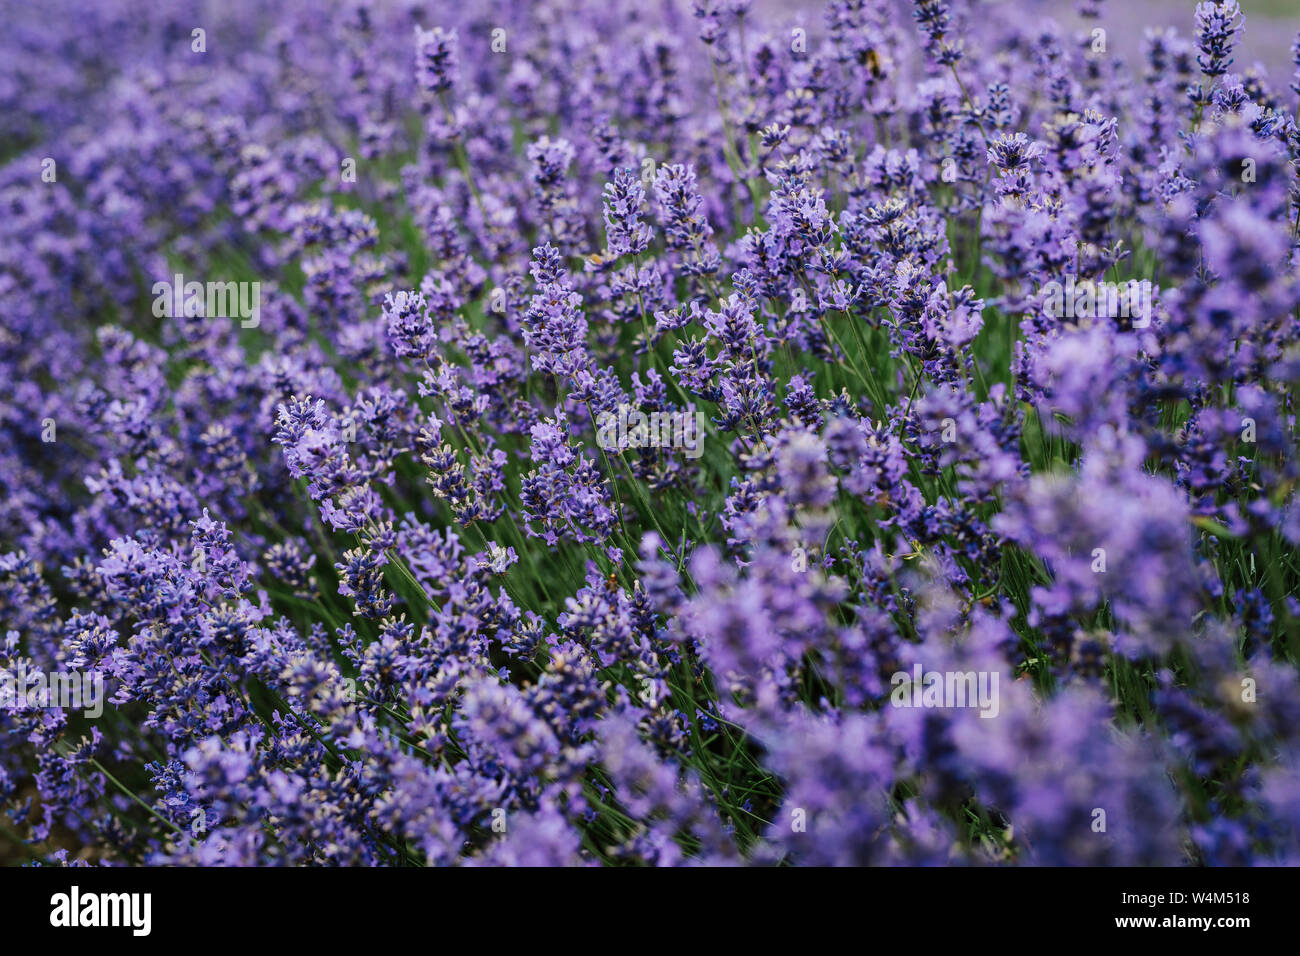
(607, 432)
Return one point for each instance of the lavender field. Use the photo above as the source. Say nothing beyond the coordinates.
(601, 432)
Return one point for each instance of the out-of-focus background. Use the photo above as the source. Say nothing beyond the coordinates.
(1271, 25)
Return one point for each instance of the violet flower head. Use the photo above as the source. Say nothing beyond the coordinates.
(934, 20)
(624, 200)
(1218, 27)
(436, 59)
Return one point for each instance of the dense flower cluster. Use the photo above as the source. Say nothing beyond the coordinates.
(365, 586)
